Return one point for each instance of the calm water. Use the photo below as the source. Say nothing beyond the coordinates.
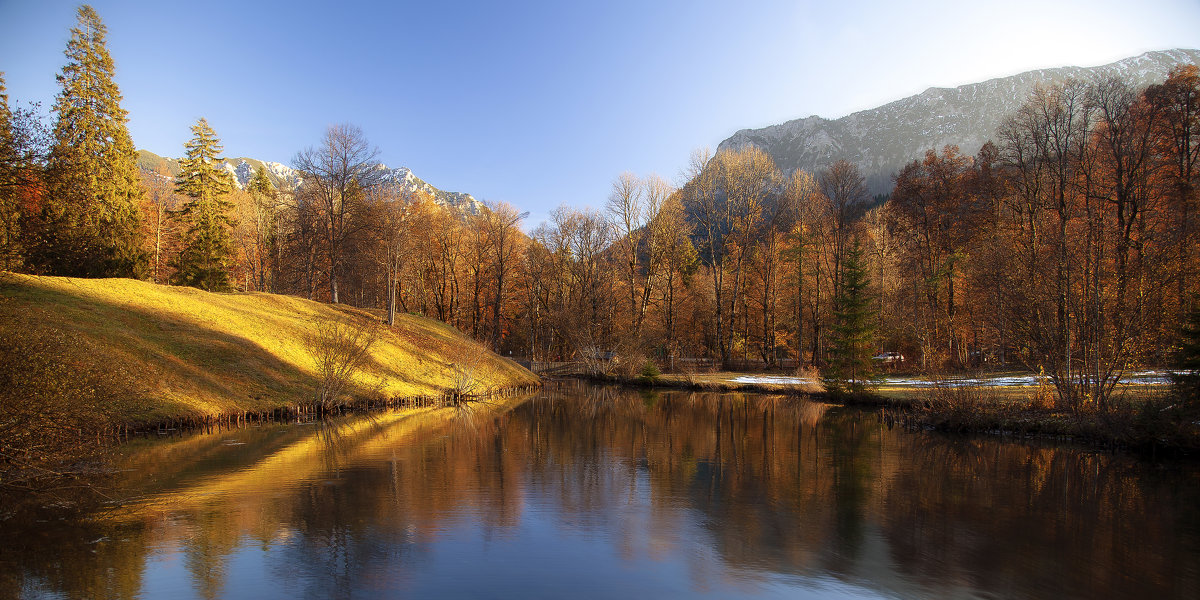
(586, 492)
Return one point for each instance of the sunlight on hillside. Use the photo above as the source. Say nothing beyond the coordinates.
(185, 350)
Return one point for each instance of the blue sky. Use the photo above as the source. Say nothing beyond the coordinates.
(542, 104)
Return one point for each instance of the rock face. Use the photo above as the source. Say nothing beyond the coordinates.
(281, 175)
(882, 140)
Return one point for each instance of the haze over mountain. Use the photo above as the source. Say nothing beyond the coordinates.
(882, 140)
(242, 169)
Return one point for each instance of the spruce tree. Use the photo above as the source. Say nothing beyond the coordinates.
(90, 223)
(850, 363)
(1187, 378)
(208, 243)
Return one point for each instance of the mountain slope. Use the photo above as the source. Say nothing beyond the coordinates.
(242, 169)
(882, 140)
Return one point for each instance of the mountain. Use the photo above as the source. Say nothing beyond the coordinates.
(281, 175)
(882, 140)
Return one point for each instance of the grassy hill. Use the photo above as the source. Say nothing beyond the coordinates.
(167, 352)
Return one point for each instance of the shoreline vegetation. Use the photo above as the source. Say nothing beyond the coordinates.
(83, 361)
(1145, 420)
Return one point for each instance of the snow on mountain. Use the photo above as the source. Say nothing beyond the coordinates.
(282, 176)
(243, 169)
(882, 140)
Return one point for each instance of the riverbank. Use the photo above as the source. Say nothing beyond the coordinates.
(162, 354)
(1144, 419)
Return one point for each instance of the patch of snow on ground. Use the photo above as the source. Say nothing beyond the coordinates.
(1140, 377)
(772, 379)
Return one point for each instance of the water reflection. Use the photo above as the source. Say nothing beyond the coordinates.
(596, 492)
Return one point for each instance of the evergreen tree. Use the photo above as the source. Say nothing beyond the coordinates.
(208, 244)
(1187, 379)
(90, 224)
(10, 164)
(853, 328)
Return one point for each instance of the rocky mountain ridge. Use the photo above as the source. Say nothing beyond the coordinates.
(282, 176)
(882, 140)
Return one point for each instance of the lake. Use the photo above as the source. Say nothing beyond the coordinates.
(582, 491)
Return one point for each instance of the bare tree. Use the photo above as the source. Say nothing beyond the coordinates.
(160, 225)
(671, 237)
(803, 194)
(656, 192)
(843, 184)
(502, 223)
(336, 176)
(390, 207)
(626, 208)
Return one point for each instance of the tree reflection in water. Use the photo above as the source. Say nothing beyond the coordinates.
(582, 487)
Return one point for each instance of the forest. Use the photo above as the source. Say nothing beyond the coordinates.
(1067, 245)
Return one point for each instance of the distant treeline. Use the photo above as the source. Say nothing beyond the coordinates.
(1068, 244)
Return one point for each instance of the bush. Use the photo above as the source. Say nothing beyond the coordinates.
(339, 347)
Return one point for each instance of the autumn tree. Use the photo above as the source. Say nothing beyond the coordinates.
(207, 253)
(1177, 138)
(672, 242)
(161, 224)
(264, 226)
(935, 216)
(725, 194)
(393, 230)
(502, 223)
(90, 225)
(807, 205)
(626, 208)
(843, 185)
(300, 247)
(22, 158)
(778, 213)
(578, 298)
(337, 176)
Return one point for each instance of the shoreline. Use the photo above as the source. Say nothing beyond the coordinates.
(307, 411)
(1155, 428)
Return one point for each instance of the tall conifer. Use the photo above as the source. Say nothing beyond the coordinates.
(10, 162)
(90, 224)
(853, 328)
(208, 244)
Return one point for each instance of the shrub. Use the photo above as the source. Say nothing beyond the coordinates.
(339, 347)
(650, 370)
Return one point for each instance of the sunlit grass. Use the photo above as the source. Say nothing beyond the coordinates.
(182, 351)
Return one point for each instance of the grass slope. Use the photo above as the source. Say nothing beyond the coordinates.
(179, 351)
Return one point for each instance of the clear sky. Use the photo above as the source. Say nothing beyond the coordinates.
(542, 104)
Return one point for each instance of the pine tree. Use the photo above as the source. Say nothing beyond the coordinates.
(853, 328)
(208, 244)
(90, 225)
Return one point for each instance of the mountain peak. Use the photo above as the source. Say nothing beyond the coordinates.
(881, 140)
